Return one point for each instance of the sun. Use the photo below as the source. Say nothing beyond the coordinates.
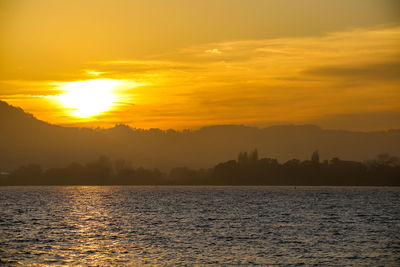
(89, 98)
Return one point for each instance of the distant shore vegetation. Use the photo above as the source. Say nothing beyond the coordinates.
(247, 169)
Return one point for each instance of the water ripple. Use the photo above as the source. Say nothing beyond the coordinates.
(114, 225)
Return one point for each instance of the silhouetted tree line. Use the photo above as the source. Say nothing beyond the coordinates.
(248, 169)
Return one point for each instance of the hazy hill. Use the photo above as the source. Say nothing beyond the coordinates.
(24, 139)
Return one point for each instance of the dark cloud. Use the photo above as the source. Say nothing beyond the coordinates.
(380, 71)
(379, 120)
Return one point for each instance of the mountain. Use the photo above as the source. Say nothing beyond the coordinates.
(25, 139)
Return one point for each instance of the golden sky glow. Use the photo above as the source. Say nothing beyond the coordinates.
(188, 64)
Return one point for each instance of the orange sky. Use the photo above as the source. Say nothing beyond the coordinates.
(185, 63)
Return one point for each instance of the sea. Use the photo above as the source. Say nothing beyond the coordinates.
(201, 226)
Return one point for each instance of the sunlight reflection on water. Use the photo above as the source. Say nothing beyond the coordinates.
(100, 225)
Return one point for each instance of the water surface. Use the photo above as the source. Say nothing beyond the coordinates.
(101, 225)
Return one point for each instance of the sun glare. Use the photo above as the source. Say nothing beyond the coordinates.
(89, 98)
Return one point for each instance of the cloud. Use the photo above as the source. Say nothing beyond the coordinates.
(377, 120)
(213, 51)
(385, 71)
(260, 81)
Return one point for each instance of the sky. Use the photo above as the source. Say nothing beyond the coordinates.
(189, 63)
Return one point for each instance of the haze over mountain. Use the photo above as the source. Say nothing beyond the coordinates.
(25, 139)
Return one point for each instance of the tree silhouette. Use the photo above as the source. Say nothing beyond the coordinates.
(247, 170)
(386, 159)
(253, 156)
(315, 157)
(242, 158)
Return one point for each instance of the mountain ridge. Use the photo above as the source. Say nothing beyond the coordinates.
(25, 139)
